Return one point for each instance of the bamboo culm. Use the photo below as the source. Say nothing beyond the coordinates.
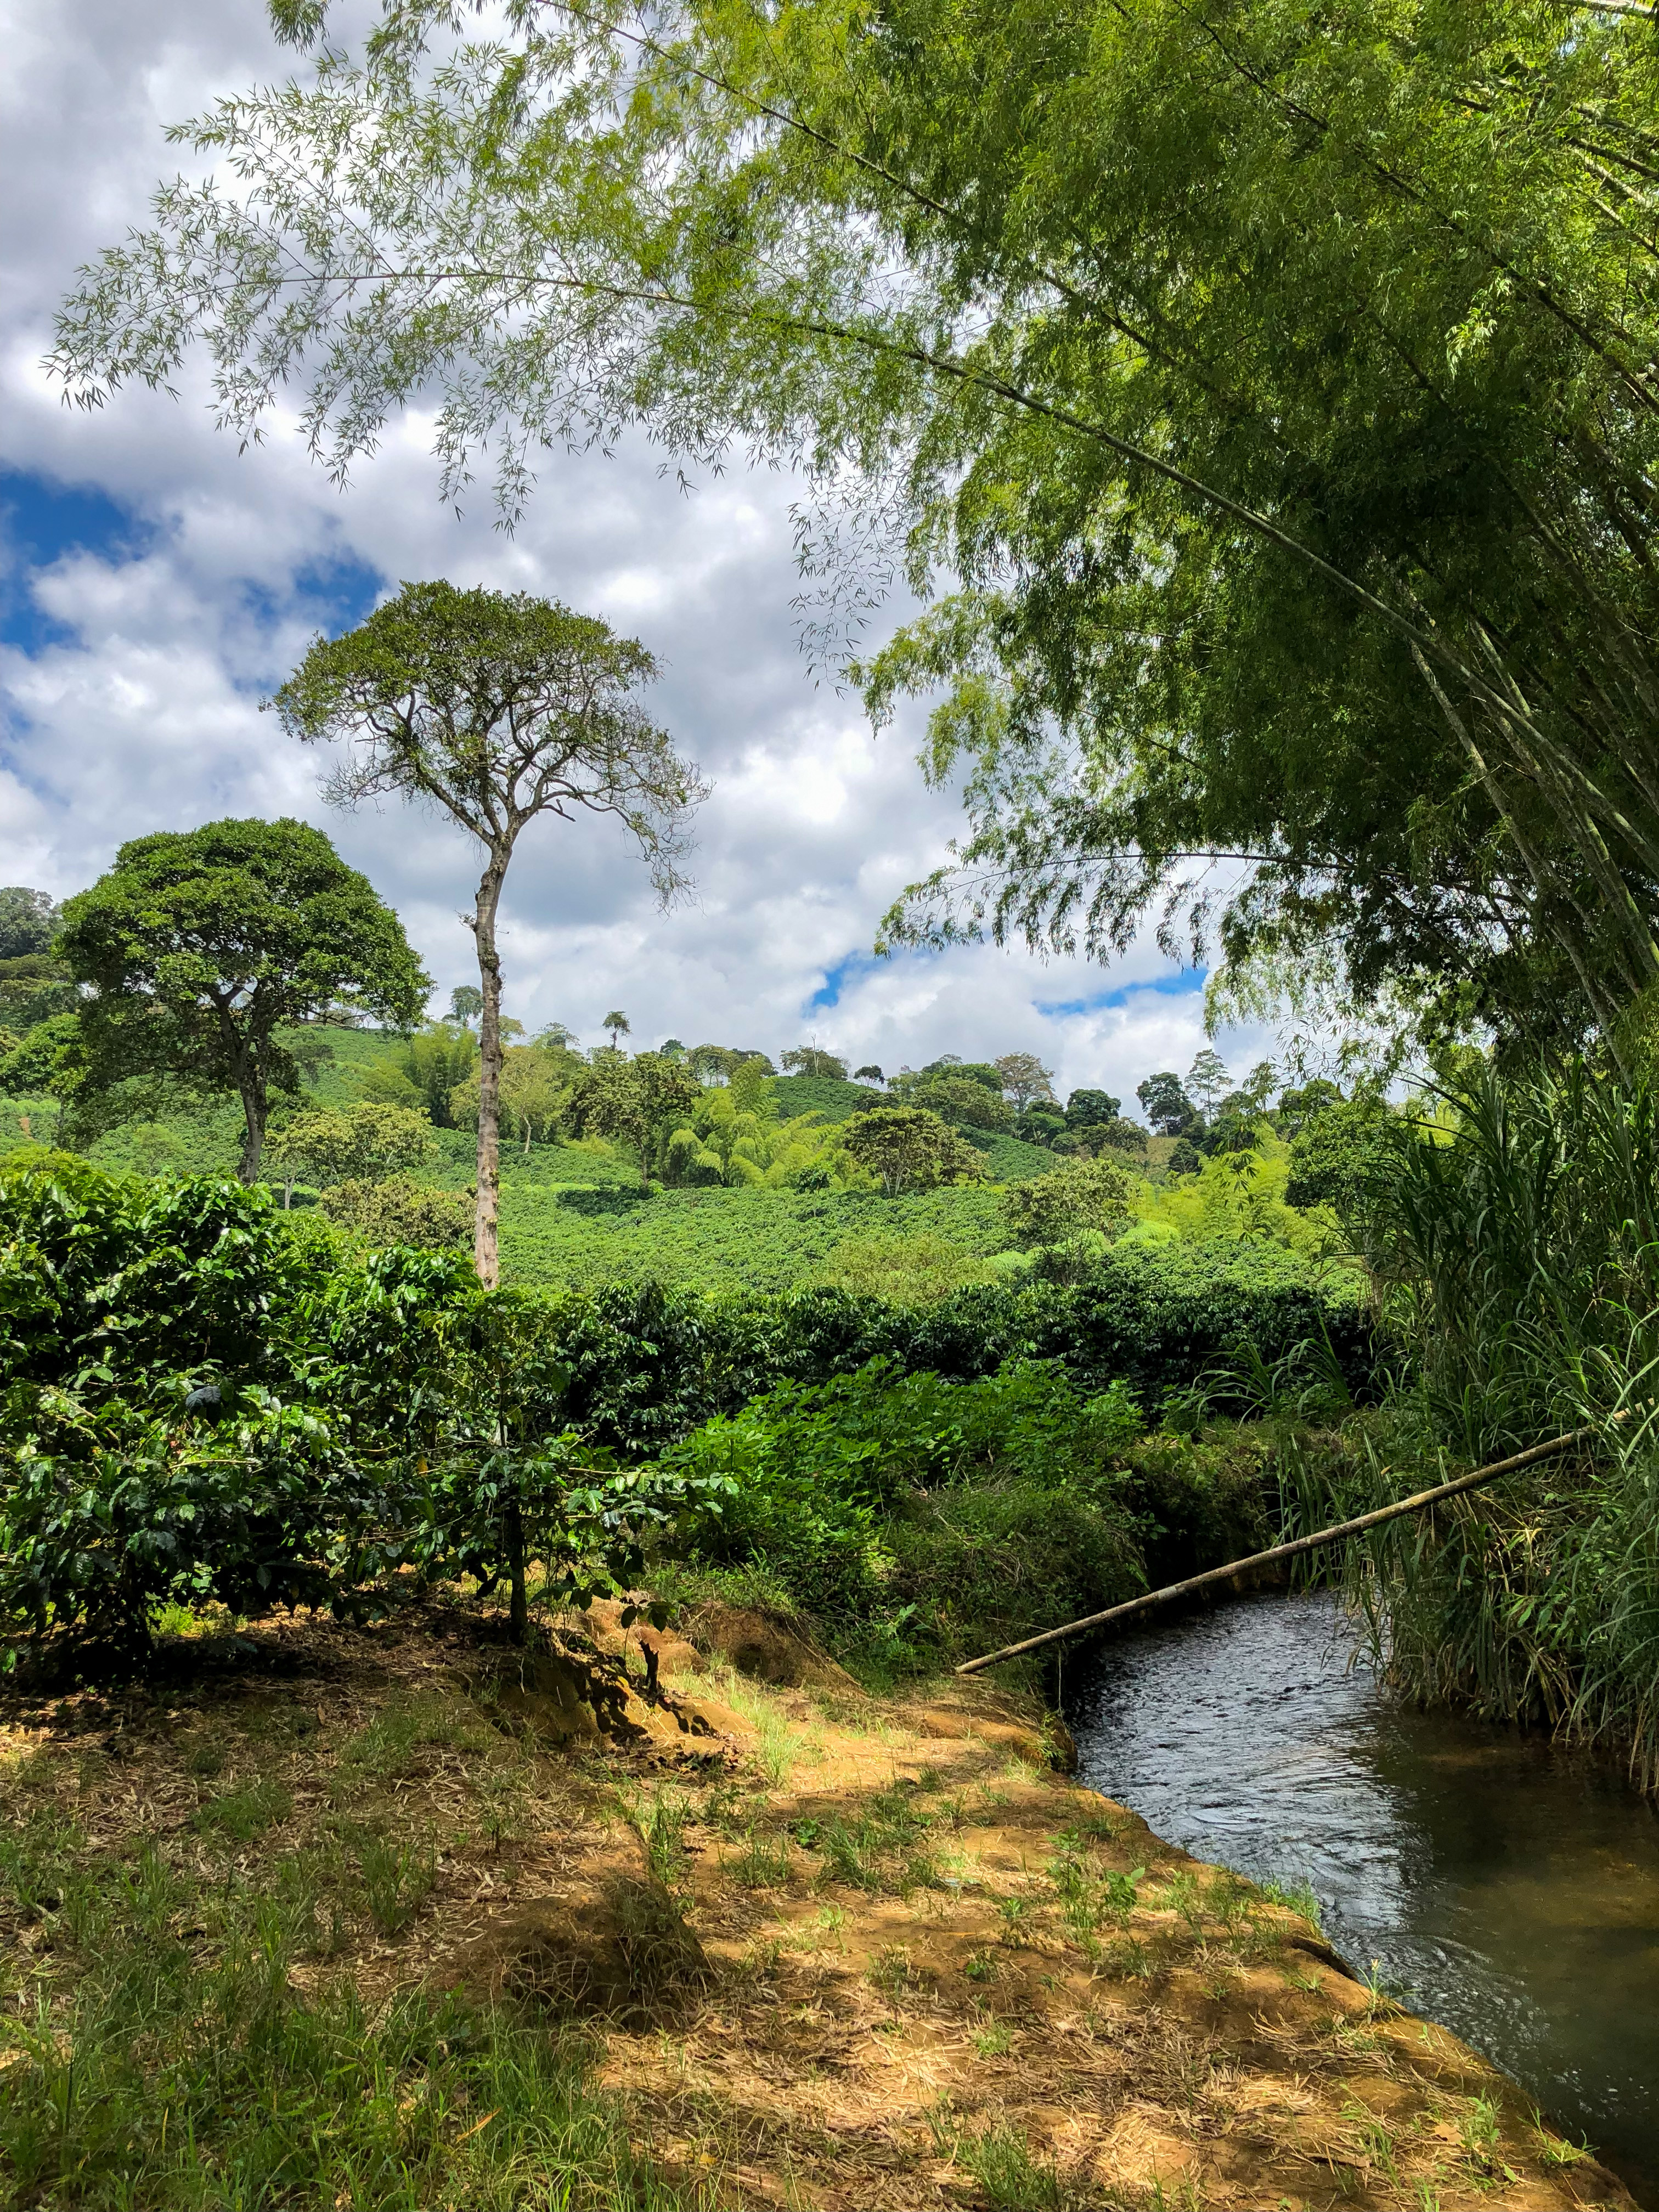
(1334, 1534)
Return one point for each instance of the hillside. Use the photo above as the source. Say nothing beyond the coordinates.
(760, 1240)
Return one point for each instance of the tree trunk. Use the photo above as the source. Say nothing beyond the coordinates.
(254, 1112)
(519, 1603)
(486, 1257)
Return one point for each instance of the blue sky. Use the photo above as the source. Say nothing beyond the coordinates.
(155, 586)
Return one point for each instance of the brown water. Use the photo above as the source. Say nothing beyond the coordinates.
(1508, 1889)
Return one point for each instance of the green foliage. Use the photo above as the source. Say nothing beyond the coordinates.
(28, 921)
(915, 1512)
(500, 708)
(425, 1070)
(963, 1097)
(1343, 1154)
(369, 1141)
(1515, 1237)
(807, 1060)
(34, 988)
(539, 1083)
(199, 946)
(828, 1096)
(1313, 526)
(109, 1284)
(916, 1270)
(1165, 1104)
(1085, 1196)
(906, 1148)
(397, 1209)
(640, 1100)
(180, 2071)
(1089, 1110)
(107, 1515)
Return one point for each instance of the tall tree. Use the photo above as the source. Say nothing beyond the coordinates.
(1278, 384)
(1025, 1080)
(906, 1148)
(640, 1100)
(1207, 1079)
(367, 1140)
(617, 1026)
(200, 944)
(497, 709)
(27, 920)
(465, 1003)
(1165, 1104)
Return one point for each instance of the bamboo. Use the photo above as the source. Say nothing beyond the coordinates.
(1213, 1575)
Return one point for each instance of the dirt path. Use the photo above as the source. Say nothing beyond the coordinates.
(828, 1952)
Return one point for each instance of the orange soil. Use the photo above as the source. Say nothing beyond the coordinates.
(846, 1975)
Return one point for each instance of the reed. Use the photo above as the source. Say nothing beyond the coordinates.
(1515, 1247)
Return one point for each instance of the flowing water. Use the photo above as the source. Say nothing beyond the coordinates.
(1507, 1888)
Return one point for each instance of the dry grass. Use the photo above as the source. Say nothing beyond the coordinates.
(807, 1964)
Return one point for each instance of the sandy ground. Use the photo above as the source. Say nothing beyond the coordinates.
(839, 1954)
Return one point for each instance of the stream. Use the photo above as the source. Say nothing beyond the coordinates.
(1508, 1889)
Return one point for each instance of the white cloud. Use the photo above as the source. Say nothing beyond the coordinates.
(133, 701)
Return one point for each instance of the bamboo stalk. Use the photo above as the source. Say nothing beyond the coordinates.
(1213, 1575)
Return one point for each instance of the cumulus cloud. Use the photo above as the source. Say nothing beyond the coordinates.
(156, 587)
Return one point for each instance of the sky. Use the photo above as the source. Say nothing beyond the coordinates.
(156, 586)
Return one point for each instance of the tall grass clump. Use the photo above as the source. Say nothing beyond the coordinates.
(1514, 1244)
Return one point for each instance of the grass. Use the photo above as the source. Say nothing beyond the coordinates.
(240, 1814)
(659, 1821)
(880, 1849)
(778, 1745)
(999, 2160)
(161, 2070)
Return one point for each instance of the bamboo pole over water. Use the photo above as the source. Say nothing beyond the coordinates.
(1299, 1544)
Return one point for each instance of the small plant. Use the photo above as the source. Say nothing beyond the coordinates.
(1130, 1959)
(1181, 1896)
(764, 1864)
(1376, 2137)
(660, 1822)
(503, 1797)
(999, 2160)
(1554, 2149)
(243, 1814)
(1294, 1897)
(891, 1972)
(982, 1965)
(992, 2042)
(1013, 1911)
(1381, 2002)
(1479, 2130)
(396, 1880)
(1231, 1900)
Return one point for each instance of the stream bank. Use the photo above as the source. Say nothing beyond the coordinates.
(772, 1942)
(1507, 1887)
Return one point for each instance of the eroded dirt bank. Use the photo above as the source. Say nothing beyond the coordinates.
(822, 1951)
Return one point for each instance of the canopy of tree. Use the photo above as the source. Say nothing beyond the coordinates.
(27, 920)
(1277, 386)
(906, 1148)
(199, 946)
(497, 708)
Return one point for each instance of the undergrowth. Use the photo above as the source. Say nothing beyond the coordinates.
(158, 2053)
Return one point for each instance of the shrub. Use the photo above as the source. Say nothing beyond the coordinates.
(106, 1281)
(906, 1148)
(923, 1510)
(906, 1271)
(1085, 1195)
(400, 1210)
(252, 1504)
